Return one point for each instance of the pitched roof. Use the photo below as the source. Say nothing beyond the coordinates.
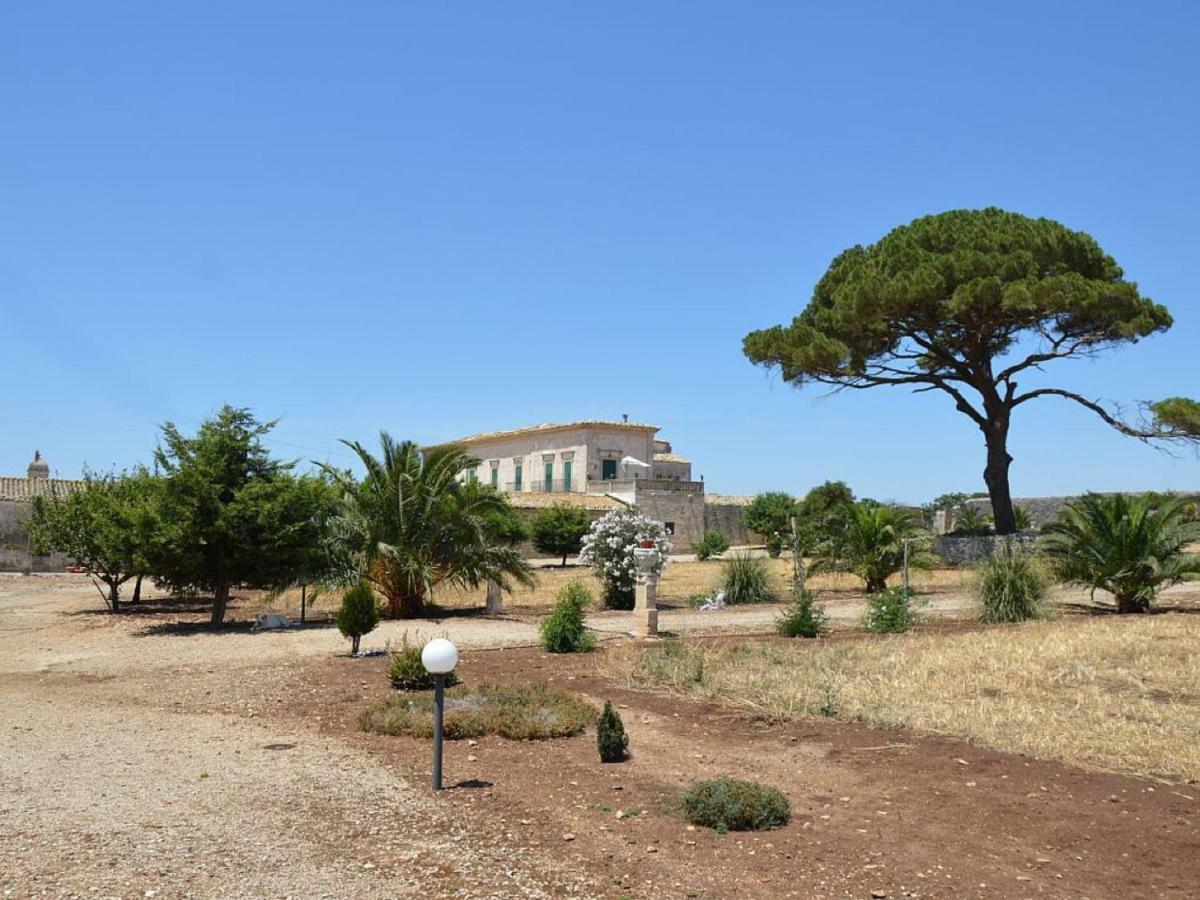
(544, 428)
(21, 489)
(590, 502)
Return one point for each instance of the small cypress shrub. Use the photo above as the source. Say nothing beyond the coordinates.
(730, 805)
(745, 580)
(358, 614)
(563, 630)
(802, 618)
(1010, 586)
(887, 612)
(406, 672)
(611, 739)
(711, 543)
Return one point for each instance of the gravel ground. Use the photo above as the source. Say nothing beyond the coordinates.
(118, 779)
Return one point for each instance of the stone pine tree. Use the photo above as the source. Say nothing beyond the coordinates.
(230, 513)
(559, 529)
(967, 303)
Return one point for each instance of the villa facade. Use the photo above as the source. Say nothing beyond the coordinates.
(599, 465)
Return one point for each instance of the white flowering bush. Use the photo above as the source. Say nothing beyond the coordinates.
(608, 548)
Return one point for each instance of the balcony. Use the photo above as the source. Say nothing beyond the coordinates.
(542, 486)
(634, 485)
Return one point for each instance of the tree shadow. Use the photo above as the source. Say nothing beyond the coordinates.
(1092, 610)
(474, 784)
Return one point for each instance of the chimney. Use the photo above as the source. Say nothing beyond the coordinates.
(625, 418)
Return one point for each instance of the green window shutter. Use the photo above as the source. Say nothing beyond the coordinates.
(549, 477)
(567, 475)
(495, 476)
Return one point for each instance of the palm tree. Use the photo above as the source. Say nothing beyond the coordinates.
(1128, 546)
(868, 539)
(410, 524)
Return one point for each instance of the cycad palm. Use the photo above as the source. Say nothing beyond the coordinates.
(1129, 546)
(868, 539)
(410, 525)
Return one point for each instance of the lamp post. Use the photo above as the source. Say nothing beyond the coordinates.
(439, 657)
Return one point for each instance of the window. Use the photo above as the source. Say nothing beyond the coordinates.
(608, 469)
(669, 528)
(495, 476)
(549, 477)
(517, 477)
(567, 475)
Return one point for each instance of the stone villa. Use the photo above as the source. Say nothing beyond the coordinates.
(600, 465)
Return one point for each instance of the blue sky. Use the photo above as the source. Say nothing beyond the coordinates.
(447, 218)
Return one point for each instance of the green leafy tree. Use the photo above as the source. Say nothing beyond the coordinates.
(818, 509)
(768, 513)
(967, 303)
(559, 530)
(1131, 547)
(410, 525)
(868, 540)
(107, 525)
(358, 615)
(229, 513)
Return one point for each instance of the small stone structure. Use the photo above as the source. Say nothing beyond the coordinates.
(16, 504)
(959, 550)
(645, 593)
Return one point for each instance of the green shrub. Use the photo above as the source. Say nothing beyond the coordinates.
(358, 614)
(711, 543)
(618, 597)
(745, 579)
(887, 613)
(774, 545)
(729, 805)
(802, 618)
(611, 739)
(563, 630)
(521, 712)
(1010, 586)
(406, 672)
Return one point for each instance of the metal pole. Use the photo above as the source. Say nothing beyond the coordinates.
(439, 702)
(303, 597)
(906, 574)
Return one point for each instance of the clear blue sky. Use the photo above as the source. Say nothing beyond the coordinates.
(446, 218)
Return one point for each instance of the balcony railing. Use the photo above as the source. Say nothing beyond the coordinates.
(543, 486)
(664, 484)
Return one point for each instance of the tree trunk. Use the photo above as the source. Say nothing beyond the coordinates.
(114, 593)
(220, 600)
(875, 585)
(564, 562)
(995, 475)
(405, 606)
(1133, 604)
(137, 590)
(354, 639)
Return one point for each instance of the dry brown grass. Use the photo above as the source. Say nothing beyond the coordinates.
(1111, 694)
(680, 580)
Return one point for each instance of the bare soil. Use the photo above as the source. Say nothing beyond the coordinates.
(143, 756)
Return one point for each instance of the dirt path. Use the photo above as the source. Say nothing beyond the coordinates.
(138, 766)
(140, 760)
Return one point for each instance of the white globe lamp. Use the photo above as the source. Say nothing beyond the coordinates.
(439, 657)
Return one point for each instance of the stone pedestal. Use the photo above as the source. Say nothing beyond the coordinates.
(495, 599)
(645, 595)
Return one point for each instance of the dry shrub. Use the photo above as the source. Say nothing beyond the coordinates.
(1119, 695)
(524, 712)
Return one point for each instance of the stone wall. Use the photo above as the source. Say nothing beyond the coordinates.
(685, 511)
(964, 550)
(727, 518)
(1043, 510)
(14, 543)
